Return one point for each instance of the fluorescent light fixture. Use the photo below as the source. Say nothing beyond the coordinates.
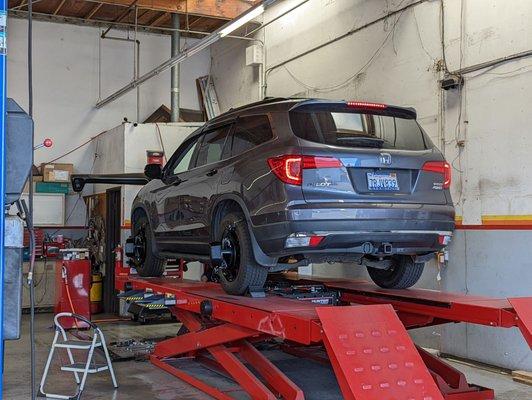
(244, 19)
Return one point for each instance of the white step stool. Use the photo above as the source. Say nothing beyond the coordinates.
(61, 341)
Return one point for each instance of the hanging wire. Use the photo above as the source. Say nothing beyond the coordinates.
(355, 75)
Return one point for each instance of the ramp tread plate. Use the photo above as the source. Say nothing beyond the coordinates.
(373, 356)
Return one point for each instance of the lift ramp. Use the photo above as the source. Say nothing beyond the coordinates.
(364, 337)
(373, 356)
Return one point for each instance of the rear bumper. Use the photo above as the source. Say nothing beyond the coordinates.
(409, 228)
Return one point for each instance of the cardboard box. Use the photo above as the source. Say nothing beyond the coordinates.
(57, 172)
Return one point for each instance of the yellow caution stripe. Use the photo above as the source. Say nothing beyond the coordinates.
(498, 222)
(134, 298)
(155, 306)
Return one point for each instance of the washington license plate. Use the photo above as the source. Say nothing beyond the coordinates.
(382, 181)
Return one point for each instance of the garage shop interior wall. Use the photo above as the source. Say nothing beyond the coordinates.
(391, 51)
(66, 85)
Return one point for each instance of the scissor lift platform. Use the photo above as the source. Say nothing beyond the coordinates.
(364, 335)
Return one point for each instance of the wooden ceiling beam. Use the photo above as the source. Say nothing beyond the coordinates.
(121, 16)
(224, 9)
(191, 24)
(58, 8)
(157, 21)
(95, 9)
(141, 15)
(22, 4)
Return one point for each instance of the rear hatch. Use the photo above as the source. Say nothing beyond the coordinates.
(384, 154)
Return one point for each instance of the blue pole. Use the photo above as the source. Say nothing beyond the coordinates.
(3, 56)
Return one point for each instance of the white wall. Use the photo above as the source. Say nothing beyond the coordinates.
(65, 65)
(402, 66)
(65, 86)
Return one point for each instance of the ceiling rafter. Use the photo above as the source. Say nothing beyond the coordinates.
(224, 9)
(22, 4)
(159, 19)
(141, 14)
(195, 22)
(95, 9)
(121, 16)
(61, 4)
(203, 16)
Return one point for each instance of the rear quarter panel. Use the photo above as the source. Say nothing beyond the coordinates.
(265, 196)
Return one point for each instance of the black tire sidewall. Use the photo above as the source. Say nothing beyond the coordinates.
(405, 274)
(152, 266)
(250, 273)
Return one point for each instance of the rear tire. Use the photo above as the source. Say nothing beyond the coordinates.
(239, 270)
(403, 274)
(146, 262)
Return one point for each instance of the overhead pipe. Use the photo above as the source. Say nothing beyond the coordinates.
(136, 60)
(224, 31)
(174, 72)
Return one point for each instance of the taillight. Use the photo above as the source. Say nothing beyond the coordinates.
(366, 105)
(444, 240)
(289, 168)
(312, 162)
(303, 240)
(440, 167)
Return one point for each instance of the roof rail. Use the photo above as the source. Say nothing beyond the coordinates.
(266, 100)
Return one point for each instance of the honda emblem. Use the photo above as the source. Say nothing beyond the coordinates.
(385, 158)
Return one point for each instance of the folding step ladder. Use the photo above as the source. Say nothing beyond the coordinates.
(88, 366)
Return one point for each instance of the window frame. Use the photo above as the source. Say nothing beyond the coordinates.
(235, 123)
(230, 124)
(427, 143)
(168, 171)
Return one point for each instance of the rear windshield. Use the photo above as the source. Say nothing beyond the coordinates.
(352, 129)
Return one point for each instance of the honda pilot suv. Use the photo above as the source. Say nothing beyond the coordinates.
(286, 182)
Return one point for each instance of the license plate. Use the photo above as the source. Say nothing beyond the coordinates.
(382, 181)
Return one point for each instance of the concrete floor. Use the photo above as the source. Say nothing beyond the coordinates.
(140, 380)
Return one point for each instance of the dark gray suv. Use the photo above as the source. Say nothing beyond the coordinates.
(286, 182)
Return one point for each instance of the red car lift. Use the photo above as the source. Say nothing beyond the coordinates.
(365, 337)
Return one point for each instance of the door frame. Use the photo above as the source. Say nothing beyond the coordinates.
(113, 219)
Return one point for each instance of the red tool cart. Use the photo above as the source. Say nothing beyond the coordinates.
(73, 282)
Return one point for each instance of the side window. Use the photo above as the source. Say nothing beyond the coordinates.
(250, 132)
(212, 146)
(184, 161)
(414, 140)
